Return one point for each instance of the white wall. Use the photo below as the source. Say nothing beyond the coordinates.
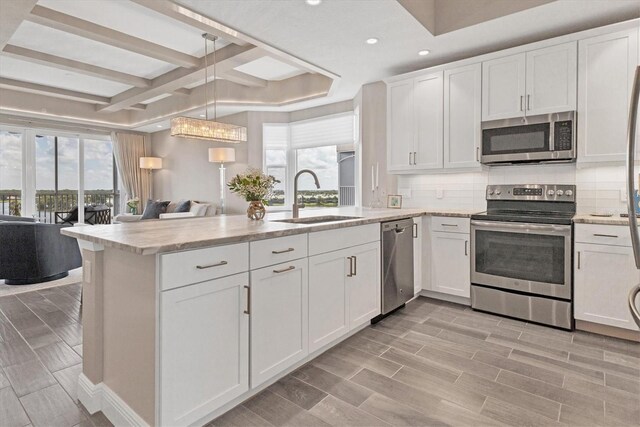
(598, 187)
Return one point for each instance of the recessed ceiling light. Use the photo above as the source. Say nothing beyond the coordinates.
(202, 115)
(159, 126)
(424, 52)
(313, 2)
(372, 40)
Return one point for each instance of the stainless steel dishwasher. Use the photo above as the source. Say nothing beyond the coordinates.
(397, 263)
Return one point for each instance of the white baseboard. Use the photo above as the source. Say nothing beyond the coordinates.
(99, 397)
(445, 297)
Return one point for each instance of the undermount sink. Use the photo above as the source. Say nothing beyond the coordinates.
(317, 219)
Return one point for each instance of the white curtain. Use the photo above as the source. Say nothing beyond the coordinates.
(127, 150)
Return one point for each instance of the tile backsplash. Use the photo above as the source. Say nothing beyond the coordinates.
(599, 188)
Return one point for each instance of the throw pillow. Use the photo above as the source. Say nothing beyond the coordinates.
(154, 208)
(183, 206)
(198, 209)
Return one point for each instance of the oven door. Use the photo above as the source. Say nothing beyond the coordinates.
(530, 258)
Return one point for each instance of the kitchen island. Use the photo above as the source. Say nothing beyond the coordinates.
(184, 319)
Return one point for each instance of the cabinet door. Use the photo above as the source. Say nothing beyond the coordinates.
(364, 286)
(450, 266)
(328, 315)
(427, 151)
(462, 116)
(279, 319)
(603, 277)
(400, 125)
(552, 79)
(204, 348)
(606, 67)
(503, 87)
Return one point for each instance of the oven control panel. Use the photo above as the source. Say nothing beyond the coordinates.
(532, 192)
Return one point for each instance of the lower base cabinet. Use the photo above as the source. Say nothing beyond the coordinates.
(344, 292)
(451, 264)
(279, 315)
(604, 275)
(198, 374)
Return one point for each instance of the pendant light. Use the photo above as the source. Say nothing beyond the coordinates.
(187, 127)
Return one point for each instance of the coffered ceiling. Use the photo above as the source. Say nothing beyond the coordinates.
(134, 64)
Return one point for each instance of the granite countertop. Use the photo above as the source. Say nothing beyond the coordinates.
(616, 219)
(151, 237)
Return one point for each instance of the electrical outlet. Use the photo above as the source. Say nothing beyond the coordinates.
(439, 193)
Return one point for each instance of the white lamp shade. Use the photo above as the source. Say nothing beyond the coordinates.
(222, 155)
(150, 163)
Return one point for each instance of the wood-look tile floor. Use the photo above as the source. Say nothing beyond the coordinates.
(41, 359)
(436, 363)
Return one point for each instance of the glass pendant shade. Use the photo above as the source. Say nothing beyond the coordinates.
(187, 127)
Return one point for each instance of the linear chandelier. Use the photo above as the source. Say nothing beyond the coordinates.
(188, 127)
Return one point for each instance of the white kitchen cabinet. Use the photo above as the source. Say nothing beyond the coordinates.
(418, 233)
(604, 275)
(344, 292)
(462, 116)
(427, 147)
(540, 81)
(503, 87)
(551, 79)
(363, 285)
(414, 123)
(400, 131)
(328, 304)
(606, 68)
(199, 375)
(450, 262)
(279, 318)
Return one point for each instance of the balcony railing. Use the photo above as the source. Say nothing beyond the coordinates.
(49, 202)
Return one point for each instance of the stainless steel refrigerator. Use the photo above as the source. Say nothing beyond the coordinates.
(631, 182)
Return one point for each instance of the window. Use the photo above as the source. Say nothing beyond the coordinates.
(10, 173)
(326, 146)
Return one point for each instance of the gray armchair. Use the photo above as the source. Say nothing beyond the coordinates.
(33, 252)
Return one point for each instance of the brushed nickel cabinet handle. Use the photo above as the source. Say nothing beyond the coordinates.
(248, 310)
(521, 106)
(291, 267)
(284, 251)
(410, 158)
(528, 102)
(449, 225)
(218, 264)
(355, 265)
(477, 154)
(350, 258)
(466, 250)
(613, 236)
(415, 155)
(578, 260)
(415, 230)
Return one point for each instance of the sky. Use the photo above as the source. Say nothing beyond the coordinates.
(98, 163)
(322, 160)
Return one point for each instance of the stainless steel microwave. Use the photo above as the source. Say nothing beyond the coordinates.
(543, 138)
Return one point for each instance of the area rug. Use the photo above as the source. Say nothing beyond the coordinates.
(75, 276)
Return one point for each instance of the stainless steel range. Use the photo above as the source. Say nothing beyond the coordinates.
(521, 253)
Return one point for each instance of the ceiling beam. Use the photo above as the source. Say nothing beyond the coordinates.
(227, 58)
(137, 107)
(192, 18)
(241, 78)
(39, 89)
(70, 24)
(183, 91)
(13, 13)
(71, 65)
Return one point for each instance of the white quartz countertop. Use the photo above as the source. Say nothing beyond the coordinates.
(151, 237)
(615, 219)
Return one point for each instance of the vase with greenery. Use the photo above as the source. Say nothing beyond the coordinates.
(133, 205)
(255, 187)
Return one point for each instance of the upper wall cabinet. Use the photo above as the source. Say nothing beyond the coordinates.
(605, 76)
(541, 81)
(414, 131)
(462, 108)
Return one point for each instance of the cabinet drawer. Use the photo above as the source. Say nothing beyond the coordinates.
(450, 224)
(274, 251)
(186, 267)
(614, 235)
(333, 240)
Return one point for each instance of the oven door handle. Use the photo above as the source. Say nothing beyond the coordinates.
(564, 229)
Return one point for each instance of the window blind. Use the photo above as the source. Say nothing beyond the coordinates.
(275, 136)
(337, 129)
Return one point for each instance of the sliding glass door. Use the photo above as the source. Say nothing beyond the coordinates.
(11, 173)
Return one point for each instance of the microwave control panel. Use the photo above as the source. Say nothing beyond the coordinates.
(563, 135)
